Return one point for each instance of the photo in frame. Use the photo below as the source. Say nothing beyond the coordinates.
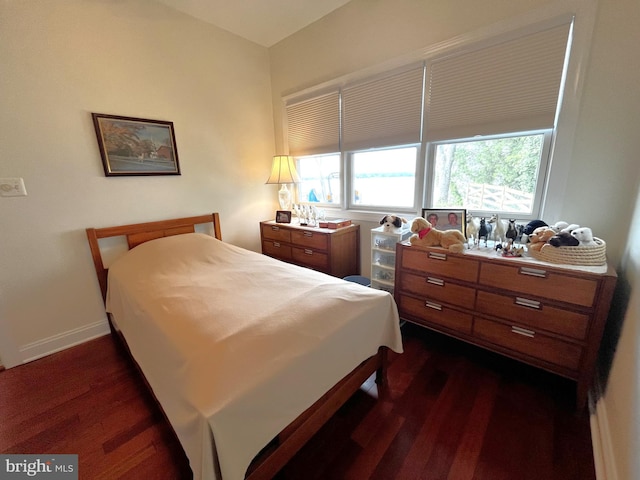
(283, 216)
(446, 218)
(136, 146)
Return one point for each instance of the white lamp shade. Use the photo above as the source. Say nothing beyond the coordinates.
(283, 170)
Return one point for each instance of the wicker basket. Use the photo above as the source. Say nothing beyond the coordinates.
(594, 255)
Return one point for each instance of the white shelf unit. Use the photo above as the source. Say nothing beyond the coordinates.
(383, 257)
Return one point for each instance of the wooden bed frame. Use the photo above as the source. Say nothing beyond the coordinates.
(293, 437)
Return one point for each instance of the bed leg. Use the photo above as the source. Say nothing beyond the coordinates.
(381, 372)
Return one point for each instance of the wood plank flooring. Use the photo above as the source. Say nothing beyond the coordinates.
(451, 411)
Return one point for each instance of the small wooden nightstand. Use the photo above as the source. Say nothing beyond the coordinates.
(336, 252)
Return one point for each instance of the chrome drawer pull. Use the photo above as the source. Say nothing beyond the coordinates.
(276, 244)
(533, 272)
(275, 228)
(308, 234)
(435, 306)
(308, 252)
(437, 256)
(523, 331)
(525, 302)
(435, 281)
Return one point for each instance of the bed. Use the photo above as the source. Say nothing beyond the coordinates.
(246, 355)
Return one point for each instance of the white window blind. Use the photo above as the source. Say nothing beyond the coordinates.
(314, 125)
(508, 87)
(384, 111)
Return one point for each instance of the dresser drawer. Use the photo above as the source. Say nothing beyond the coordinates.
(436, 313)
(438, 289)
(275, 232)
(310, 258)
(308, 239)
(539, 282)
(533, 313)
(440, 263)
(529, 342)
(277, 250)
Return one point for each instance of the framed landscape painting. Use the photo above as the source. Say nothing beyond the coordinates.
(136, 146)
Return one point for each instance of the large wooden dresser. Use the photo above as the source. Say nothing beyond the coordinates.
(547, 315)
(332, 251)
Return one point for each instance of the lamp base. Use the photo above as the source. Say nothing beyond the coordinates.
(284, 197)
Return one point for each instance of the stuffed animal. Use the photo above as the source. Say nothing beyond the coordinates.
(530, 227)
(563, 239)
(540, 237)
(392, 223)
(584, 236)
(426, 236)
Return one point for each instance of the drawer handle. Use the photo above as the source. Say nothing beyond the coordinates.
(433, 305)
(276, 244)
(435, 281)
(437, 256)
(275, 228)
(533, 272)
(523, 331)
(308, 251)
(308, 234)
(525, 302)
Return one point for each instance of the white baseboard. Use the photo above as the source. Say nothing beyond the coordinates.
(603, 457)
(47, 346)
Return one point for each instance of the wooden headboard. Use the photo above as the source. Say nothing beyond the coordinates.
(138, 233)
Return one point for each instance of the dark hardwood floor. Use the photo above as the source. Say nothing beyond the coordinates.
(451, 411)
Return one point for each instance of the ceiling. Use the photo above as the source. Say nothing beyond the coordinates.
(265, 22)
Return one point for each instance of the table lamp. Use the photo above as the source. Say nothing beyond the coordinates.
(283, 171)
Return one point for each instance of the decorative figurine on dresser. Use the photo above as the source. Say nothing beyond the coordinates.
(547, 308)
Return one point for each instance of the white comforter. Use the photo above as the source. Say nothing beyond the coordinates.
(235, 345)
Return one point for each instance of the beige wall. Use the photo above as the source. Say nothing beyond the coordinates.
(596, 168)
(62, 60)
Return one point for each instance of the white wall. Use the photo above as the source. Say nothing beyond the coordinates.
(596, 173)
(62, 60)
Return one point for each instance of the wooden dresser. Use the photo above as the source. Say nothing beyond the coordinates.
(547, 315)
(336, 252)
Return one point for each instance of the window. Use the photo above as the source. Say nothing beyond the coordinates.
(385, 177)
(485, 113)
(497, 175)
(320, 179)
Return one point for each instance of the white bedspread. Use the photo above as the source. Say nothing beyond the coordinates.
(236, 345)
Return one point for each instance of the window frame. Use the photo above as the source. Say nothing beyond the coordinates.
(541, 181)
(582, 13)
(349, 181)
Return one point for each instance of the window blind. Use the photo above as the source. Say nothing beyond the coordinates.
(507, 87)
(383, 111)
(314, 125)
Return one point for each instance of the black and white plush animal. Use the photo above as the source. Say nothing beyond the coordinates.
(392, 223)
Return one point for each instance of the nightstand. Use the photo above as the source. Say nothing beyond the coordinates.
(332, 251)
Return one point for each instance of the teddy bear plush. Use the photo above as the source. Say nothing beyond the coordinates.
(392, 223)
(426, 236)
(540, 237)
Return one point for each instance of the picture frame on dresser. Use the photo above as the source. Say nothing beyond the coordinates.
(283, 216)
(446, 218)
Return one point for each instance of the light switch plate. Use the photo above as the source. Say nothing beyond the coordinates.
(12, 187)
